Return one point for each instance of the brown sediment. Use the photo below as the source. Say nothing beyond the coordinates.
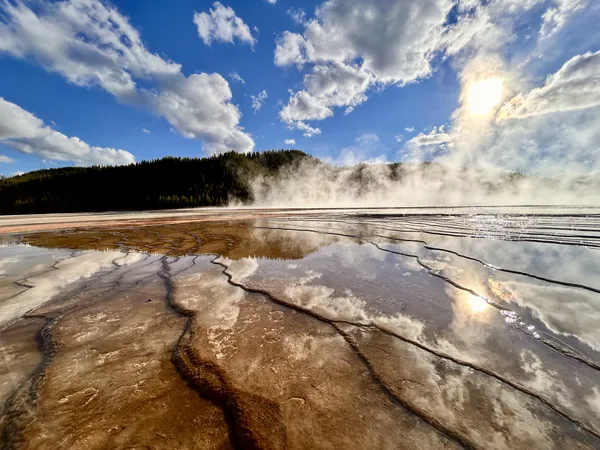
(115, 220)
(232, 239)
(20, 354)
(101, 386)
(255, 421)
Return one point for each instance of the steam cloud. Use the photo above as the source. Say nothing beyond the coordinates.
(311, 184)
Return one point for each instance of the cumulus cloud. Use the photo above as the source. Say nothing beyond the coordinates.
(237, 78)
(290, 142)
(327, 87)
(5, 159)
(409, 129)
(394, 39)
(259, 100)
(355, 45)
(200, 107)
(146, 131)
(92, 44)
(303, 106)
(307, 130)
(22, 131)
(576, 85)
(221, 24)
(290, 50)
(272, 2)
(338, 84)
(436, 136)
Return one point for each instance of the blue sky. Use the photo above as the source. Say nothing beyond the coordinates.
(392, 65)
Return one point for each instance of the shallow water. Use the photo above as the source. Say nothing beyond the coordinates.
(379, 328)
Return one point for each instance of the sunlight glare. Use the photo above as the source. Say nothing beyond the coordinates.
(477, 304)
(484, 95)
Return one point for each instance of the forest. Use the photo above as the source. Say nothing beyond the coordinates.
(160, 184)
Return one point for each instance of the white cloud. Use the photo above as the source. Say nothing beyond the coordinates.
(338, 84)
(290, 142)
(146, 131)
(355, 45)
(556, 16)
(5, 159)
(553, 129)
(327, 87)
(395, 40)
(290, 50)
(576, 85)
(436, 136)
(259, 100)
(272, 2)
(18, 173)
(297, 15)
(307, 129)
(200, 107)
(409, 129)
(303, 106)
(92, 44)
(22, 131)
(221, 24)
(236, 77)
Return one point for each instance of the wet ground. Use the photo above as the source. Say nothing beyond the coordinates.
(403, 329)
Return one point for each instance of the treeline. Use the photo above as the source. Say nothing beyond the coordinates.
(160, 184)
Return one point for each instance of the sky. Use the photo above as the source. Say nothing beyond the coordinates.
(509, 84)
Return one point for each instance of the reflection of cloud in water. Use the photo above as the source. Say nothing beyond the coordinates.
(49, 284)
(300, 287)
(336, 283)
(218, 301)
(593, 400)
(243, 268)
(559, 262)
(563, 310)
(545, 380)
(487, 411)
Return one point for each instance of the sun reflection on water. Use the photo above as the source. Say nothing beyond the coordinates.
(476, 303)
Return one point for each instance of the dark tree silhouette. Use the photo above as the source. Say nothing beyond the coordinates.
(165, 183)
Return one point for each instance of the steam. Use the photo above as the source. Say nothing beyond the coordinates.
(313, 184)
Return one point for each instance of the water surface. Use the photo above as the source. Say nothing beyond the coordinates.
(379, 328)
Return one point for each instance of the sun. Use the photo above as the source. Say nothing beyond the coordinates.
(484, 95)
